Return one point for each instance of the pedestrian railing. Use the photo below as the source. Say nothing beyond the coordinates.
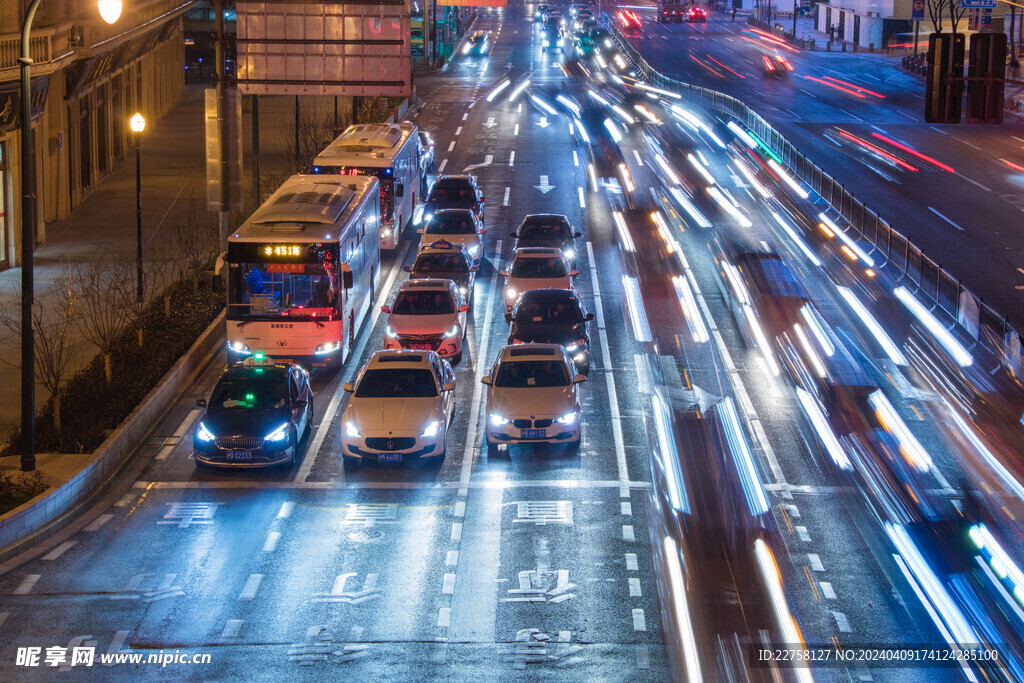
(975, 319)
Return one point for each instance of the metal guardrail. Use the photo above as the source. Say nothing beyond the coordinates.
(929, 278)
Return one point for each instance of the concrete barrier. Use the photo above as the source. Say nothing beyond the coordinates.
(47, 514)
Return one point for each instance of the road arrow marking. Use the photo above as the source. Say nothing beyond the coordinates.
(543, 123)
(544, 187)
(490, 122)
(487, 162)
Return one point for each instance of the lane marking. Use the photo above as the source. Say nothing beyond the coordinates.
(504, 202)
(575, 158)
(440, 169)
(639, 161)
(643, 657)
(583, 201)
(515, 131)
(827, 590)
(27, 584)
(451, 146)
(960, 139)
(634, 588)
(456, 532)
(937, 213)
(272, 538)
(99, 522)
(841, 622)
(250, 587)
(351, 367)
(460, 509)
(974, 182)
(59, 550)
(448, 584)
(231, 630)
(627, 533)
(452, 558)
(3, 617)
(626, 509)
(568, 483)
(465, 116)
(639, 622)
(286, 510)
(444, 617)
(458, 131)
(631, 564)
(606, 359)
(801, 531)
(512, 158)
(938, 130)
(851, 115)
(815, 561)
(126, 499)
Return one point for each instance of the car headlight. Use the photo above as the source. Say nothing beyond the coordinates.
(428, 215)
(569, 253)
(452, 332)
(579, 357)
(510, 293)
(432, 428)
(569, 418)
(327, 347)
(204, 434)
(463, 290)
(474, 250)
(238, 347)
(390, 332)
(574, 347)
(279, 434)
(498, 420)
(350, 429)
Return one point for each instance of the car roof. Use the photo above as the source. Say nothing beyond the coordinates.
(400, 359)
(427, 284)
(548, 352)
(539, 217)
(536, 252)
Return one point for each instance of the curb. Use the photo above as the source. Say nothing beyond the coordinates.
(47, 514)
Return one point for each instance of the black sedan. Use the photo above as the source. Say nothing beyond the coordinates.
(552, 316)
(547, 230)
(258, 414)
(447, 261)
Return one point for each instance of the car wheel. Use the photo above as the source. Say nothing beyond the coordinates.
(492, 448)
(309, 422)
(457, 358)
(348, 462)
(573, 448)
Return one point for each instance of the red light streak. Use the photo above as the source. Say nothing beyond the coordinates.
(1013, 165)
(724, 66)
(878, 150)
(720, 75)
(910, 150)
(854, 85)
(833, 85)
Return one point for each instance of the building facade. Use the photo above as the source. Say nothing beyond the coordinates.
(88, 78)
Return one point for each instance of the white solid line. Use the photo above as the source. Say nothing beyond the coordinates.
(59, 550)
(639, 161)
(639, 623)
(583, 200)
(352, 366)
(932, 209)
(490, 485)
(627, 532)
(26, 585)
(634, 588)
(974, 182)
(512, 158)
(286, 510)
(965, 142)
(126, 499)
(231, 630)
(251, 584)
(164, 452)
(456, 532)
(606, 359)
(452, 558)
(631, 564)
(827, 591)
(440, 168)
(272, 538)
(99, 522)
(186, 424)
(451, 146)
(448, 585)
(458, 131)
(515, 131)
(508, 191)
(575, 158)
(444, 617)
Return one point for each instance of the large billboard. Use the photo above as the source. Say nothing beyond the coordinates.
(291, 47)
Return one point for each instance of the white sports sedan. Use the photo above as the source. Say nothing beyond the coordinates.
(536, 268)
(427, 315)
(402, 402)
(532, 397)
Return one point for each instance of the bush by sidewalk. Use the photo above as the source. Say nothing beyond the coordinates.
(19, 489)
(91, 407)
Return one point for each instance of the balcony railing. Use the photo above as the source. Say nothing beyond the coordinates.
(48, 46)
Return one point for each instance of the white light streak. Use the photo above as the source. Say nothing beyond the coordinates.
(941, 334)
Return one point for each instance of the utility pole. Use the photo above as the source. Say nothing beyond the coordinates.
(222, 118)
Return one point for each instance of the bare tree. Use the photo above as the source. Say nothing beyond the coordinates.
(195, 239)
(55, 345)
(313, 131)
(103, 317)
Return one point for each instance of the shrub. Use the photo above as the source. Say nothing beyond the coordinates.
(19, 489)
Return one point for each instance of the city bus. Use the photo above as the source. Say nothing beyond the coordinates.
(303, 269)
(388, 152)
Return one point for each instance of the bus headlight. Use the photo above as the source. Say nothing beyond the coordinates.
(238, 347)
(328, 347)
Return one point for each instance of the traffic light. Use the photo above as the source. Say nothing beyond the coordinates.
(942, 100)
(988, 60)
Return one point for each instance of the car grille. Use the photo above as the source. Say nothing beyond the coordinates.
(239, 443)
(389, 443)
(523, 424)
(542, 424)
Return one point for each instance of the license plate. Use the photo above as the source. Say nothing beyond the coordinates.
(420, 347)
(534, 433)
(389, 457)
(239, 455)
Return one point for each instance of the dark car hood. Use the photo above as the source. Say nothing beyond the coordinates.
(557, 243)
(544, 333)
(256, 423)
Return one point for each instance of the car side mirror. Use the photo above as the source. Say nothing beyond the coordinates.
(486, 379)
(385, 309)
(483, 231)
(407, 269)
(448, 386)
(299, 404)
(579, 378)
(463, 308)
(474, 269)
(588, 317)
(514, 234)
(573, 273)
(419, 231)
(201, 402)
(503, 273)
(347, 386)
(577, 234)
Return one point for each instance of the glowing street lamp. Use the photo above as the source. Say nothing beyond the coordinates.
(138, 124)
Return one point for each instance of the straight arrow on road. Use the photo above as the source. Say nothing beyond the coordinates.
(544, 187)
(490, 122)
(543, 123)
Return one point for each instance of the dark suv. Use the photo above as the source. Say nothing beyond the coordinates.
(547, 230)
(552, 316)
(454, 192)
(447, 261)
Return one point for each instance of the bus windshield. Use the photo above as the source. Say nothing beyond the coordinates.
(385, 176)
(303, 290)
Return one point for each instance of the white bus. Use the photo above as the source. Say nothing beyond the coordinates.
(303, 269)
(390, 153)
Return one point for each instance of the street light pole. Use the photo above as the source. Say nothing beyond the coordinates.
(138, 124)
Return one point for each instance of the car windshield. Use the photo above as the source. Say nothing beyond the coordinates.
(451, 224)
(542, 267)
(397, 383)
(423, 303)
(586, 41)
(447, 263)
(452, 193)
(532, 373)
(555, 312)
(544, 230)
(250, 394)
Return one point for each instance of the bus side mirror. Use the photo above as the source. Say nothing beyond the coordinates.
(346, 279)
(399, 189)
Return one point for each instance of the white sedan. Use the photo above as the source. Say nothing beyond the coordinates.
(402, 402)
(532, 397)
(458, 226)
(536, 268)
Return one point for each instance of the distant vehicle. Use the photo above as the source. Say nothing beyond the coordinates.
(628, 18)
(532, 397)
(552, 316)
(585, 47)
(539, 12)
(390, 153)
(601, 37)
(458, 226)
(670, 11)
(775, 65)
(479, 43)
(588, 25)
(259, 412)
(426, 147)
(551, 37)
(427, 315)
(547, 230)
(575, 8)
(581, 17)
(446, 261)
(454, 192)
(535, 268)
(606, 166)
(697, 15)
(402, 402)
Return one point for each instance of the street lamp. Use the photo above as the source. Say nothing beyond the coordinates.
(110, 10)
(138, 124)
